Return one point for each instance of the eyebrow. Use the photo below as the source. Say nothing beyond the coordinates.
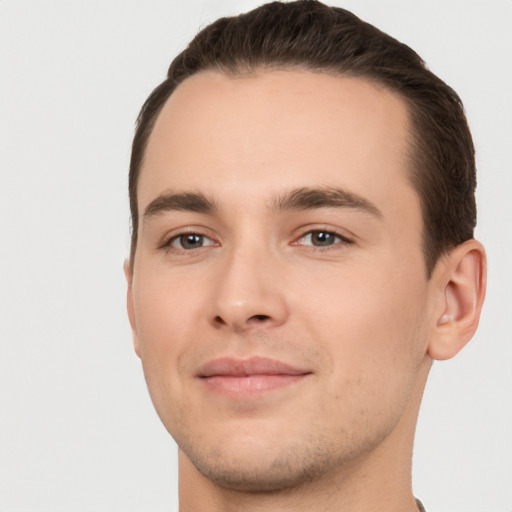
(183, 201)
(324, 197)
(299, 199)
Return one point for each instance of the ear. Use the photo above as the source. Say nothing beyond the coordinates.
(128, 272)
(462, 276)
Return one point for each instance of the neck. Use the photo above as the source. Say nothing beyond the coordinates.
(377, 481)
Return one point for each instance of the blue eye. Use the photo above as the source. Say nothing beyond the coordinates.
(189, 241)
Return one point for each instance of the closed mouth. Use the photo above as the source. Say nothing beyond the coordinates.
(235, 377)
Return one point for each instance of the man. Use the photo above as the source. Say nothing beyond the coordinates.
(302, 198)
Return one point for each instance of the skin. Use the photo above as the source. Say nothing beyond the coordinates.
(357, 316)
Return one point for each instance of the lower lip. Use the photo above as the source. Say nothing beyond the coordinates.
(249, 385)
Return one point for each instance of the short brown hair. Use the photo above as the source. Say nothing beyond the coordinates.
(311, 35)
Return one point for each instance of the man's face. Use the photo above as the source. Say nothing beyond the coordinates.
(279, 298)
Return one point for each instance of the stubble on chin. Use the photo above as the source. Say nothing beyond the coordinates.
(257, 475)
(281, 466)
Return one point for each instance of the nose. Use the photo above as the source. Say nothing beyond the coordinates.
(249, 292)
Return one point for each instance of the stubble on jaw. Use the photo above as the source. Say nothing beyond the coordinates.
(320, 456)
(285, 471)
(289, 467)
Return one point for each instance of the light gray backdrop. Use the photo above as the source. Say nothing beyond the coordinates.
(77, 430)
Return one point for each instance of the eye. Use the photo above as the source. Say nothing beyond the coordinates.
(189, 241)
(322, 238)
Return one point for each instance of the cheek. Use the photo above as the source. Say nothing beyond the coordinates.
(371, 325)
(166, 309)
(166, 317)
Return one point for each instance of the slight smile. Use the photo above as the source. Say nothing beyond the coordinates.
(243, 378)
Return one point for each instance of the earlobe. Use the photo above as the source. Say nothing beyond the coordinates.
(462, 287)
(128, 272)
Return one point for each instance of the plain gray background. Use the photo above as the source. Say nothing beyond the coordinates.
(77, 429)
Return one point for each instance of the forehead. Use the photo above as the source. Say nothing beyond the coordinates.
(274, 129)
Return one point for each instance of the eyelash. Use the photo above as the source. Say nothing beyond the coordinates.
(342, 239)
(168, 243)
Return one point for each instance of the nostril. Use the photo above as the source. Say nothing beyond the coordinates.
(218, 320)
(259, 318)
(240, 323)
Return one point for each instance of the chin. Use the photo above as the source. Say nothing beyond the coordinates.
(276, 476)
(256, 471)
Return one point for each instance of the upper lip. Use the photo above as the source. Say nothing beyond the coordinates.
(235, 367)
